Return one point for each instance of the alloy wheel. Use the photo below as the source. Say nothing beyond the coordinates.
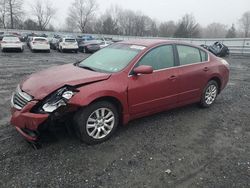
(100, 123)
(210, 94)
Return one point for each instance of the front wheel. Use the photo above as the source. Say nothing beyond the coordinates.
(97, 122)
(209, 94)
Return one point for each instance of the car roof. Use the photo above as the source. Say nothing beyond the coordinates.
(155, 42)
(147, 42)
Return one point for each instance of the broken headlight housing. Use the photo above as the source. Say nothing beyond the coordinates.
(56, 100)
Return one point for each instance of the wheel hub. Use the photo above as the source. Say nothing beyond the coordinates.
(100, 123)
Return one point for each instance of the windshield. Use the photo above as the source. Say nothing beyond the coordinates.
(113, 58)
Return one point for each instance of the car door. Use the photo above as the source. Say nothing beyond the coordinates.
(194, 72)
(152, 92)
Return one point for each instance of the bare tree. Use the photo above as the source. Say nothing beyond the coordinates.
(44, 12)
(126, 21)
(215, 30)
(187, 27)
(167, 29)
(109, 26)
(81, 12)
(231, 33)
(245, 23)
(10, 13)
(3, 13)
(70, 24)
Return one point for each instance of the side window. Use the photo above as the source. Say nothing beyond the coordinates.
(204, 56)
(159, 58)
(188, 55)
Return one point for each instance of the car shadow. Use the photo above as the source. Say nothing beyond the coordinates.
(63, 132)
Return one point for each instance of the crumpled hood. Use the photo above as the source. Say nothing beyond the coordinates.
(41, 84)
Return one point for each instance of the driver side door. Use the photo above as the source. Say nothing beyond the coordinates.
(149, 93)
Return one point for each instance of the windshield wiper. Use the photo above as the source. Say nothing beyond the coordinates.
(88, 68)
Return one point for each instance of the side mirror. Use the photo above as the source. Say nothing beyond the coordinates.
(143, 69)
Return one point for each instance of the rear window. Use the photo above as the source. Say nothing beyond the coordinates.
(70, 40)
(10, 39)
(188, 55)
(40, 39)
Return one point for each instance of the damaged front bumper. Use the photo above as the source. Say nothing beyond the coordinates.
(27, 123)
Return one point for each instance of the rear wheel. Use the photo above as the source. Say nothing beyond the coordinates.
(209, 94)
(97, 122)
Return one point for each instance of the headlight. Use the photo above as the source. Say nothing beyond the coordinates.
(56, 100)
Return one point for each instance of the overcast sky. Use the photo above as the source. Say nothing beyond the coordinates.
(205, 11)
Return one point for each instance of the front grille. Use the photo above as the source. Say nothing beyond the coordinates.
(20, 99)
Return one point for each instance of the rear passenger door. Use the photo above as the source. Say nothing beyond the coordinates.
(193, 72)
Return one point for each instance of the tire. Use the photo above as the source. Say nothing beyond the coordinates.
(84, 50)
(94, 132)
(209, 94)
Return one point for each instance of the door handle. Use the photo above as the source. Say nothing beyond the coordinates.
(173, 77)
(206, 69)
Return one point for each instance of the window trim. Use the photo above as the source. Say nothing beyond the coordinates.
(178, 60)
(149, 50)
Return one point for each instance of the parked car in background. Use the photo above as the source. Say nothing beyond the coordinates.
(54, 43)
(11, 43)
(119, 83)
(82, 39)
(29, 35)
(28, 40)
(23, 37)
(104, 42)
(68, 44)
(89, 46)
(39, 44)
(218, 49)
(1, 36)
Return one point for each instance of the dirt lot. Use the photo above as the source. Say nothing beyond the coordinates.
(186, 147)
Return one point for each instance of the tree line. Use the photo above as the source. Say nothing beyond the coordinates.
(83, 16)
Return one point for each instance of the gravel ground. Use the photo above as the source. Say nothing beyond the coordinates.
(186, 147)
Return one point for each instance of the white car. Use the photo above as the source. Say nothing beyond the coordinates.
(11, 43)
(103, 42)
(68, 44)
(39, 43)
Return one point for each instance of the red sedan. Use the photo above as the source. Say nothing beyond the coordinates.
(124, 81)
